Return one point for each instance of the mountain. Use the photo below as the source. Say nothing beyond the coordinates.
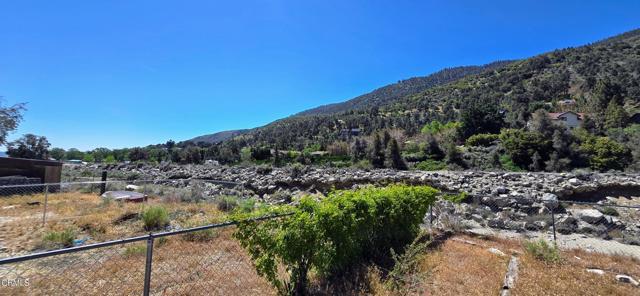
(387, 94)
(218, 137)
(593, 75)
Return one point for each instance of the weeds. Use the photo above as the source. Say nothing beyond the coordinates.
(543, 251)
(135, 250)
(227, 203)
(155, 217)
(57, 239)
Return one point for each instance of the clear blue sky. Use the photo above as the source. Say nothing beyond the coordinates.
(128, 73)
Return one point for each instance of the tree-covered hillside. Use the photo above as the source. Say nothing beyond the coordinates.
(497, 118)
(387, 94)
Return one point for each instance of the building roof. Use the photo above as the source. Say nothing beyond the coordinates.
(556, 116)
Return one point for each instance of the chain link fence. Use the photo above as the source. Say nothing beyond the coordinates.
(196, 261)
(610, 226)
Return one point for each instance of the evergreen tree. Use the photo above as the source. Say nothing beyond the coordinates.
(377, 153)
(276, 157)
(615, 116)
(393, 157)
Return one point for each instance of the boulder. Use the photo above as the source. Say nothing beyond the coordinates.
(591, 216)
(550, 200)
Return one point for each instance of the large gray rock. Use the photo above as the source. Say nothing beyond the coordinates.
(592, 216)
(550, 200)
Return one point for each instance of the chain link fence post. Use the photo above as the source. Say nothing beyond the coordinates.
(46, 199)
(147, 267)
(553, 224)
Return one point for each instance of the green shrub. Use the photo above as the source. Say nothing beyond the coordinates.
(541, 250)
(605, 154)
(247, 205)
(226, 203)
(155, 217)
(59, 239)
(334, 234)
(484, 140)
(507, 164)
(610, 211)
(431, 165)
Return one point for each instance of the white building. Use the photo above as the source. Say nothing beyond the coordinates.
(570, 119)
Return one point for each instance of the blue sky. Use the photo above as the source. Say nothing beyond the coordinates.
(131, 73)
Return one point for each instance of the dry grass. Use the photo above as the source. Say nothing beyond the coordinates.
(457, 268)
(21, 224)
(571, 277)
(180, 267)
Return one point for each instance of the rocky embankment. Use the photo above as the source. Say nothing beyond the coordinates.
(508, 186)
(513, 201)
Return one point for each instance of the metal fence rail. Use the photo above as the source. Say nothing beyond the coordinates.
(129, 268)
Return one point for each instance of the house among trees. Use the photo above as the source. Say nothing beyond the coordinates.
(570, 119)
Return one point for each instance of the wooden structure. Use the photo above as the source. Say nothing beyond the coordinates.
(46, 170)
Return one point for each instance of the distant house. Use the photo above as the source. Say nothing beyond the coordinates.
(570, 119)
(635, 118)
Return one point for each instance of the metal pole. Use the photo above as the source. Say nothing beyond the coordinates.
(46, 199)
(147, 267)
(103, 184)
(553, 221)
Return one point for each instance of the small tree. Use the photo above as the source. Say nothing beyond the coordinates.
(377, 153)
(138, 154)
(10, 117)
(29, 146)
(57, 153)
(615, 116)
(393, 157)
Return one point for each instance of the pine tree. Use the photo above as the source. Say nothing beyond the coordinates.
(276, 157)
(393, 157)
(377, 153)
(615, 116)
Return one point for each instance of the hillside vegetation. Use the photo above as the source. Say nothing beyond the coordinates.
(485, 117)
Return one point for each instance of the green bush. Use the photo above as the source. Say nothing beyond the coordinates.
(541, 250)
(59, 239)
(431, 165)
(507, 164)
(484, 140)
(605, 154)
(226, 203)
(610, 211)
(155, 217)
(332, 235)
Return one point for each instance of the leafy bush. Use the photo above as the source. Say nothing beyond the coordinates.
(605, 154)
(431, 165)
(155, 217)
(507, 164)
(59, 239)
(226, 203)
(522, 145)
(610, 211)
(484, 140)
(331, 235)
(541, 250)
